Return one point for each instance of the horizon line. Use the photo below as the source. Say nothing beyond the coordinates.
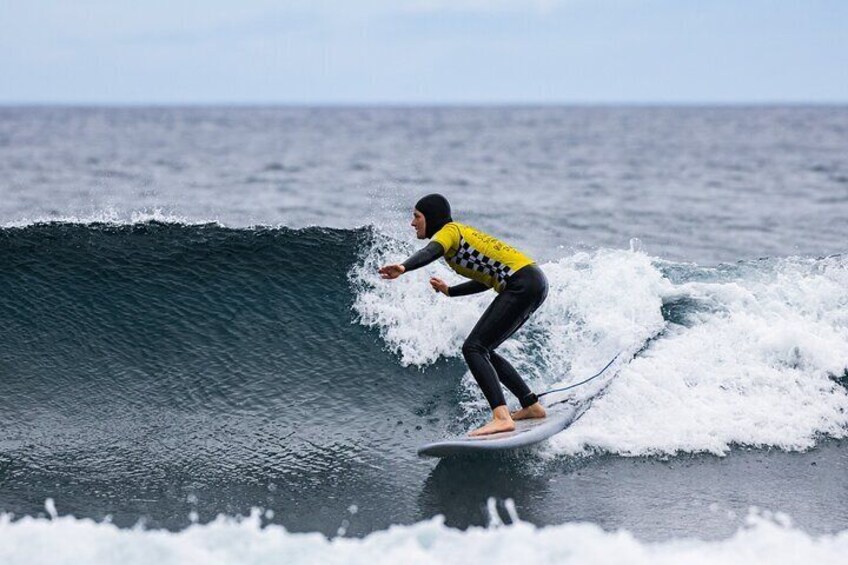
(421, 104)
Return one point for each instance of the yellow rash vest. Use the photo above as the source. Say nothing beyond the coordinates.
(479, 256)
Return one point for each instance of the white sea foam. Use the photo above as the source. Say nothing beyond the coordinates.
(752, 361)
(754, 368)
(227, 540)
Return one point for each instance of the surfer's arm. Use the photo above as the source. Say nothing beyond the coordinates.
(423, 256)
(470, 287)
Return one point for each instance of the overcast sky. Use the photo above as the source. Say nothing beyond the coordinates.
(423, 51)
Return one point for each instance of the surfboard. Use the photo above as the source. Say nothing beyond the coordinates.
(526, 433)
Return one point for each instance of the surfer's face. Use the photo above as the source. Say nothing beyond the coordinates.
(419, 222)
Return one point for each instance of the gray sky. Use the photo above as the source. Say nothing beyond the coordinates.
(423, 51)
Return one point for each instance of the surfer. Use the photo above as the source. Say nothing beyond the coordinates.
(489, 263)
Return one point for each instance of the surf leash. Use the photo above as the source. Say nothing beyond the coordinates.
(583, 382)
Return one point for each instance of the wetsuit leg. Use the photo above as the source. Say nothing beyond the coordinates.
(512, 380)
(524, 293)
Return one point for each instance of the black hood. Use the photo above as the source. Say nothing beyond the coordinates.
(436, 210)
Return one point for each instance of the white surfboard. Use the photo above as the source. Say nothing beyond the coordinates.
(527, 432)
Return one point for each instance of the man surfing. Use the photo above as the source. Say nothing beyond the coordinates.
(489, 263)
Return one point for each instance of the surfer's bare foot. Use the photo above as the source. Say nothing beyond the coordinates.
(531, 412)
(494, 427)
(501, 422)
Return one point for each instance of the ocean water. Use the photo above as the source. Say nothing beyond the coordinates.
(197, 356)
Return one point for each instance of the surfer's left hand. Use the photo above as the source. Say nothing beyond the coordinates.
(439, 285)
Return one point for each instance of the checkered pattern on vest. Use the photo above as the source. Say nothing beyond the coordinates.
(470, 258)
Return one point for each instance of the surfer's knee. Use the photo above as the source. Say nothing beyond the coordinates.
(473, 347)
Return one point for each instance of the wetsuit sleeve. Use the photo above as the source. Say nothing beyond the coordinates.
(470, 287)
(424, 256)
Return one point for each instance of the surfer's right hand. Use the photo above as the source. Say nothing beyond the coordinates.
(439, 285)
(392, 271)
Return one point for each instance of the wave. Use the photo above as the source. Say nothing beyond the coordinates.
(764, 538)
(108, 331)
(126, 318)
